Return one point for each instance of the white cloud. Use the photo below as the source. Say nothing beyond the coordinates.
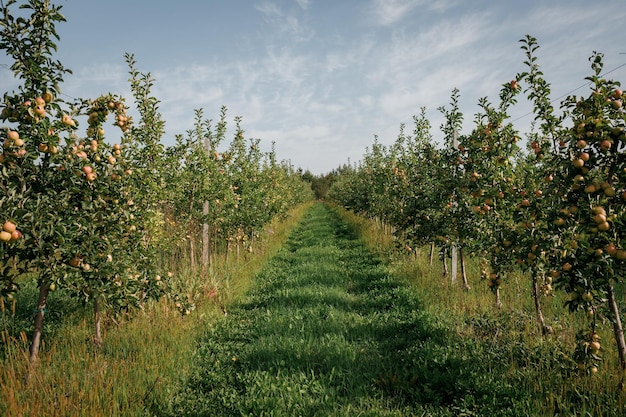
(283, 23)
(304, 4)
(388, 12)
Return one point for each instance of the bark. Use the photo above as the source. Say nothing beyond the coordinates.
(96, 318)
(432, 252)
(206, 240)
(453, 263)
(497, 298)
(618, 331)
(445, 265)
(38, 327)
(466, 285)
(192, 252)
(545, 329)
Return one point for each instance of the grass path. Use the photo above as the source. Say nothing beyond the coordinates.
(326, 331)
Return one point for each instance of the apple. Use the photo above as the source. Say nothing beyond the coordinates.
(9, 226)
(47, 97)
(16, 235)
(609, 192)
(599, 218)
(587, 297)
(52, 287)
(611, 249)
(578, 163)
(5, 236)
(67, 120)
(87, 169)
(605, 145)
(590, 189)
(13, 135)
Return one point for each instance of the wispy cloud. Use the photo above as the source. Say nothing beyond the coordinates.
(304, 4)
(388, 12)
(286, 22)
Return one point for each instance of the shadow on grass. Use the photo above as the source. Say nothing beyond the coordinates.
(326, 331)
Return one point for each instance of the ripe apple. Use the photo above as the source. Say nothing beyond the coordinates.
(13, 135)
(599, 218)
(590, 189)
(67, 120)
(5, 236)
(75, 262)
(611, 249)
(47, 97)
(16, 235)
(587, 297)
(578, 163)
(9, 226)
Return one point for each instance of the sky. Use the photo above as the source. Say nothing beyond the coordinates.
(322, 78)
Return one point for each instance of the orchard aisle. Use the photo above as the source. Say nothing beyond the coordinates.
(325, 331)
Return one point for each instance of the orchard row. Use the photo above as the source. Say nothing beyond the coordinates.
(97, 211)
(556, 209)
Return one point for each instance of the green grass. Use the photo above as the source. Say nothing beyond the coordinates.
(327, 330)
(143, 357)
(327, 322)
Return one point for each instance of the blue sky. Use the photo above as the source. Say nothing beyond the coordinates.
(320, 78)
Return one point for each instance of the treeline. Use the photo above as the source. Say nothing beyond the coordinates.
(555, 209)
(111, 218)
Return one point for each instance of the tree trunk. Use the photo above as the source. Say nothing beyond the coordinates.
(206, 243)
(432, 252)
(97, 339)
(542, 323)
(192, 252)
(466, 285)
(445, 265)
(497, 298)
(453, 264)
(618, 332)
(39, 316)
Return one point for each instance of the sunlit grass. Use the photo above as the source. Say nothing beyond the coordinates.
(540, 365)
(142, 358)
